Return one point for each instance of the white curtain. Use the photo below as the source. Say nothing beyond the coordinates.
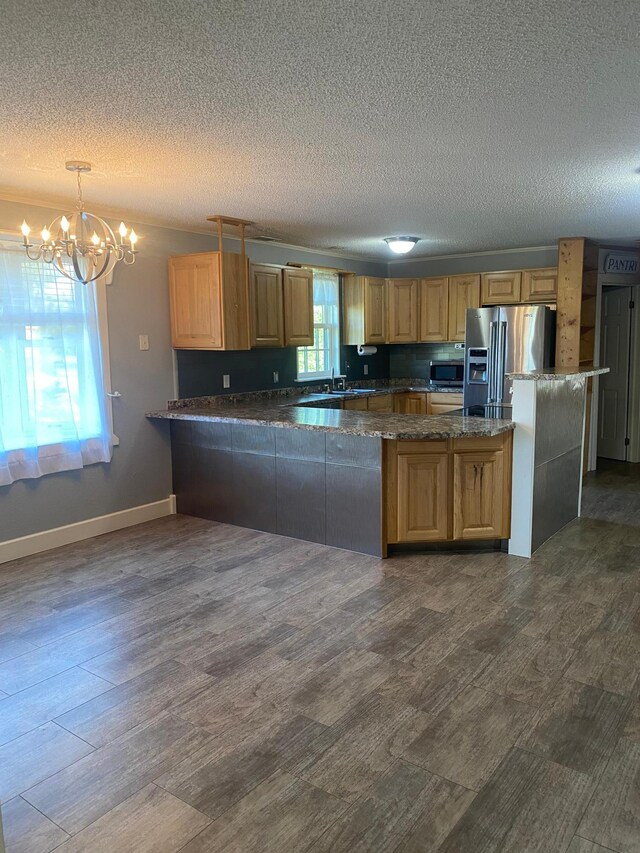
(52, 403)
(325, 288)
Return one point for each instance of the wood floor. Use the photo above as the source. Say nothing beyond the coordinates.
(187, 685)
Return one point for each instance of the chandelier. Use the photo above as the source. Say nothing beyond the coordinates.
(81, 245)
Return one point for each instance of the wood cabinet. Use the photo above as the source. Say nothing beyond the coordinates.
(464, 292)
(281, 301)
(501, 288)
(360, 404)
(478, 511)
(439, 403)
(402, 299)
(410, 403)
(298, 307)
(267, 306)
(209, 301)
(448, 490)
(434, 309)
(423, 497)
(364, 310)
(380, 403)
(540, 285)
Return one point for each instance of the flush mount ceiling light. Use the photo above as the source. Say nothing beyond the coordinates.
(83, 239)
(401, 245)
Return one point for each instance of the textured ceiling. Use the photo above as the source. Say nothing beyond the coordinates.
(334, 123)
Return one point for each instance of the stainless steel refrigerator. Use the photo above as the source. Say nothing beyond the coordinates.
(501, 340)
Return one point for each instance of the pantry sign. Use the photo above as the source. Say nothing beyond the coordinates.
(621, 263)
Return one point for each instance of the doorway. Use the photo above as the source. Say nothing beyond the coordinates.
(614, 387)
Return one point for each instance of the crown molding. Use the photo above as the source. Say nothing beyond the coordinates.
(418, 258)
(107, 212)
(68, 202)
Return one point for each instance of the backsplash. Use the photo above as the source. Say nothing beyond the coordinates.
(413, 359)
(200, 372)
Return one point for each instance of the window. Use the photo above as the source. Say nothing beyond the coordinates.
(317, 361)
(53, 412)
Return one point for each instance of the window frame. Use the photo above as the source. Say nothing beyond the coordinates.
(333, 348)
(11, 243)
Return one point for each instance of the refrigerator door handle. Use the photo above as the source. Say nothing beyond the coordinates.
(493, 353)
(501, 361)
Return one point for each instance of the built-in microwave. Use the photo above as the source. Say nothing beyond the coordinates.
(446, 373)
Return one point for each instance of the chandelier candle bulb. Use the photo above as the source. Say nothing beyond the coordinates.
(25, 232)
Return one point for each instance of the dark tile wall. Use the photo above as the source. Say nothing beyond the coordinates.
(412, 360)
(316, 486)
(200, 373)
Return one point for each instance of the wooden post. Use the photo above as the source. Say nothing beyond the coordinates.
(570, 271)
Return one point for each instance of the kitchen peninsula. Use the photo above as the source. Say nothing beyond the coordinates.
(295, 464)
(303, 465)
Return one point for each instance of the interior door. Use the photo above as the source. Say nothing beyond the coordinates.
(615, 344)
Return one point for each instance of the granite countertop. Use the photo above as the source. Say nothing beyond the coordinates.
(560, 373)
(305, 411)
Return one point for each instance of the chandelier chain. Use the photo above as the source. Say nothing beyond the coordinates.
(80, 199)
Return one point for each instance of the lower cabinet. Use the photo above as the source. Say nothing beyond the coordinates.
(381, 403)
(449, 490)
(478, 508)
(423, 497)
(410, 403)
(441, 402)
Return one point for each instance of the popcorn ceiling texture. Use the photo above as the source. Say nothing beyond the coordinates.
(475, 125)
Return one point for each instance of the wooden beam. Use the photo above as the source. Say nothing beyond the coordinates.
(570, 269)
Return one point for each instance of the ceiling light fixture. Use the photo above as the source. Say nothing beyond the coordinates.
(82, 238)
(401, 245)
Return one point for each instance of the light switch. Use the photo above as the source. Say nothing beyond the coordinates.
(144, 342)
(366, 370)
(276, 376)
(226, 380)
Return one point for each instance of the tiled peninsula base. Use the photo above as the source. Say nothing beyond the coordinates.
(319, 486)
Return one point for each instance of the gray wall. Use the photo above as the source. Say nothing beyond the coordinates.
(479, 262)
(138, 303)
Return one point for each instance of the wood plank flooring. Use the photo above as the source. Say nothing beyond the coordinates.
(191, 686)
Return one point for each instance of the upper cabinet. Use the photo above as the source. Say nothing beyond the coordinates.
(267, 306)
(281, 306)
(501, 288)
(209, 301)
(402, 295)
(364, 310)
(464, 292)
(434, 309)
(540, 285)
(298, 307)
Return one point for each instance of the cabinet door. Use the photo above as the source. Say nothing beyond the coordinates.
(410, 403)
(194, 294)
(501, 288)
(375, 311)
(382, 403)
(267, 313)
(478, 489)
(434, 309)
(464, 292)
(423, 497)
(403, 310)
(441, 403)
(540, 285)
(298, 307)
(357, 405)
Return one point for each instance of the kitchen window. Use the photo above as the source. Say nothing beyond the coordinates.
(319, 360)
(54, 413)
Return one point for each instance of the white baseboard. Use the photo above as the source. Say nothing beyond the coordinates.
(12, 549)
